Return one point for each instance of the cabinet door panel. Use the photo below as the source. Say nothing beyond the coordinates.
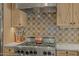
(18, 17)
(72, 53)
(61, 53)
(8, 51)
(76, 13)
(15, 17)
(64, 14)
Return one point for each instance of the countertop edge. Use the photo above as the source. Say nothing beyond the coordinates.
(59, 46)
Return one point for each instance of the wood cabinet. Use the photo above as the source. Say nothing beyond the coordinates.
(18, 17)
(76, 13)
(8, 52)
(64, 14)
(12, 18)
(71, 53)
(61, 53)
(66, 53)
(8, 35)
(68, 15)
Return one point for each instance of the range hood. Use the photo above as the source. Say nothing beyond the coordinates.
(33, 5)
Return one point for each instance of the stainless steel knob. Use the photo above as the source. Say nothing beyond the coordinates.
(31, 52)
(49, 53)
(22, 51)
(35, 52)
(45, 53)
(27, 52)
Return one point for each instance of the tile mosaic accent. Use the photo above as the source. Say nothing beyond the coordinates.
(44, 22)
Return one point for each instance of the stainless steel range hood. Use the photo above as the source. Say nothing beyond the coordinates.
(32, 5)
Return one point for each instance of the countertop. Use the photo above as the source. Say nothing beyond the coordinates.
(12, 44)
(59, 46)
(67, 46)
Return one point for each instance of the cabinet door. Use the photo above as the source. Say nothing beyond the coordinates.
(8, 51)
(22, 18)
(61, 53)
(72, 53)
(18, 17)
(76, 14)
(15, 17)
(64, 14)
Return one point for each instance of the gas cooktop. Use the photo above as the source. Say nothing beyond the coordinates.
(30, 48)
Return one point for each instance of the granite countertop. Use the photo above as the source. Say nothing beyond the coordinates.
(67, 46)
(12, 44)
(59, 46)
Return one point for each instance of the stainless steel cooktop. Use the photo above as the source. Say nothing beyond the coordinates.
(30, 48)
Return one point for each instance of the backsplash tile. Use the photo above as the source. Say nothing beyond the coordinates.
(40, 22)
(68, 35)
(44, 23)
